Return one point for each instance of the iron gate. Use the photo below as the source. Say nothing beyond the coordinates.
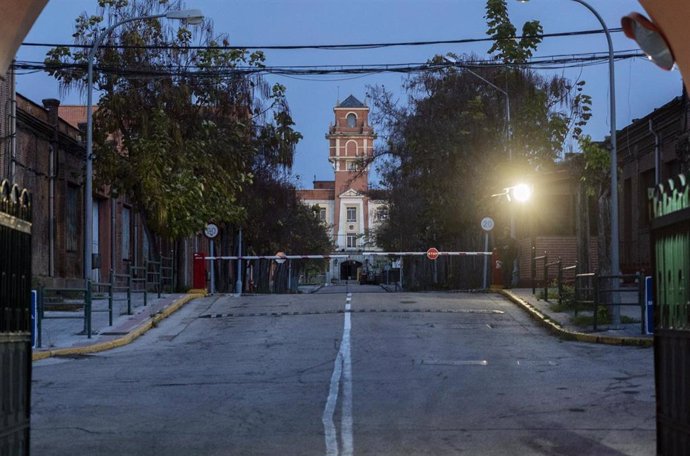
(670, 237)
(15, 319)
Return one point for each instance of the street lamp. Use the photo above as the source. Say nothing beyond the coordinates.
(191, 16)
(615, 258)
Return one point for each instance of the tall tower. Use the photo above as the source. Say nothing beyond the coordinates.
(351, 141)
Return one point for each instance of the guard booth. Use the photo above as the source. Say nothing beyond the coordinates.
(15, 319)
(670, 251)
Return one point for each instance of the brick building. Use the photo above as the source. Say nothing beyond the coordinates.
(651, 150)
(345, 204)
(42, 149)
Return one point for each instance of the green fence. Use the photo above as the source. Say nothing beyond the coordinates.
(670, 247)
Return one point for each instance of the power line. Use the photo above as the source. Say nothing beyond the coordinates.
(559, 61)
(335, 47)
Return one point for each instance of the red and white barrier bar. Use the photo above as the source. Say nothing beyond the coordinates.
(340, 256)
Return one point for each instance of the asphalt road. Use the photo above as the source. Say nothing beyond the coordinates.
(335, 374)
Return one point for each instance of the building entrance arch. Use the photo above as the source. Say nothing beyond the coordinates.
(349, 270)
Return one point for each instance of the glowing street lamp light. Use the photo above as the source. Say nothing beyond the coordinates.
(520, 193)
(190, 16)
(614, 247)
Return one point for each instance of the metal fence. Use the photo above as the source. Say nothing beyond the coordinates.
(589, 291)
(15, 319)
(119, 296)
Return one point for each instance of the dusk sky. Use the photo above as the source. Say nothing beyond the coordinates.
(640, 86)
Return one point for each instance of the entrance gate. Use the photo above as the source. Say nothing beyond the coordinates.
(412, 271)
(670, 247)
(15, 319)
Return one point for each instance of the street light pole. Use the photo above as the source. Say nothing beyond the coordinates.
(516, 272)
(192, 16)
(614, 247)
(507, 106)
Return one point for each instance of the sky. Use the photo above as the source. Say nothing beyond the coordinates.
(640, 85)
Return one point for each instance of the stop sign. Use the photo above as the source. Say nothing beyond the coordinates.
(432, 253)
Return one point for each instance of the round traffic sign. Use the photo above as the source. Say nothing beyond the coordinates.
(432, 253)
(211, 230)
(487, 224)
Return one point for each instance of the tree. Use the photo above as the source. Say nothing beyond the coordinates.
(177, 129)
(446, 151)
(595, 175)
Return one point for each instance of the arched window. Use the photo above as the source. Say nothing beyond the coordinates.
(351, 120)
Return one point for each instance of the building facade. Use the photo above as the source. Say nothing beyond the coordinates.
(42, 149)
(345, 204)
(652, 150)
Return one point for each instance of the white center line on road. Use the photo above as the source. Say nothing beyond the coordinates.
(341, 370)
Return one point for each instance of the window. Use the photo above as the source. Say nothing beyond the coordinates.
(322, 214)
(351, 241)
(381, 214)
(126, 221)
(72, 219)
(351, 120)
(352, 166)
(351, 214)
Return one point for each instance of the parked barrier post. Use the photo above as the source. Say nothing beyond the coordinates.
(110, 298)
(146, 282)
(546, 277)
(87, 308)
(534, 270)
(129, 290)
(39, 318)
(641, 299)
(560, 281)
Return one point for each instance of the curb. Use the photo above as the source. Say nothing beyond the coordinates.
(149, 323)
(557, 329)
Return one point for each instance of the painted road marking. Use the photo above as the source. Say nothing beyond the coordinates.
(342, 370)
(348, 310)
(455, 362)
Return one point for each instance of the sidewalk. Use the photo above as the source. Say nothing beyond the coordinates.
(561, 324)
(66, 337)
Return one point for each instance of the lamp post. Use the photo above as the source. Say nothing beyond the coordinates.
(192, 16)
(453, 61)
(614, 247)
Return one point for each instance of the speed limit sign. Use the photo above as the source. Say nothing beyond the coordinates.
(487, 224)
(211, 230)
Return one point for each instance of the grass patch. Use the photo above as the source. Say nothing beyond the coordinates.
(603, 318)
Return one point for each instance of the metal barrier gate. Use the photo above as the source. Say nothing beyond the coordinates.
(670, 248)
(411, 271)
(15, 319)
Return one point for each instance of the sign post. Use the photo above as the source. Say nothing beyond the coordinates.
(211, 231)
(487, 226)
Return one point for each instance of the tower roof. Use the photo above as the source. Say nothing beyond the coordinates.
(351, 102)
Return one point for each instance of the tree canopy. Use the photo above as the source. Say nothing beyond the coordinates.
(446, 147)
(177, 129)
